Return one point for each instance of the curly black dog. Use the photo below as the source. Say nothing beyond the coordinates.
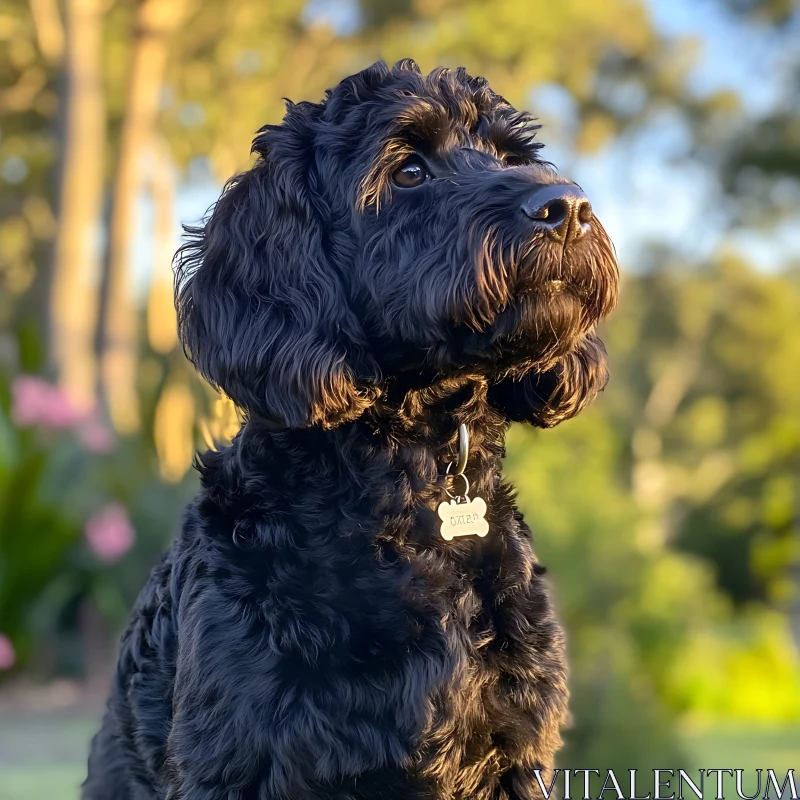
(399, 261)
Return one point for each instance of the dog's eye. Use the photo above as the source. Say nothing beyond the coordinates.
(410, 175)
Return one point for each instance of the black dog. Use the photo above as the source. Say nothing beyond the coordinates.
(398, 262)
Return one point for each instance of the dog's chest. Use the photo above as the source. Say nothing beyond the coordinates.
(477, 639)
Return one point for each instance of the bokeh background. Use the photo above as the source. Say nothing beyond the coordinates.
(668, 513)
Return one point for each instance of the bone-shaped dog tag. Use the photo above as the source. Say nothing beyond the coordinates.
(467, 518)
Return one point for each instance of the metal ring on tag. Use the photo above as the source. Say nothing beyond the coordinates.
(463, 449)
(453, 477)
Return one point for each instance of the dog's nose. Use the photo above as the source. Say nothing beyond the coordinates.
(561, 208)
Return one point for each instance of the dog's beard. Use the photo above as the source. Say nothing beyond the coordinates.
(586, 269)
(536, 301)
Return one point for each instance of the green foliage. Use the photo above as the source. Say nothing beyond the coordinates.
(582, 520)
(35, 532)
(706, 400)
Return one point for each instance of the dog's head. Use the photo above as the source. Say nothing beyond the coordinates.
(405, 225)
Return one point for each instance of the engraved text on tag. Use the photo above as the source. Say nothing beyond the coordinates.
(466, 518)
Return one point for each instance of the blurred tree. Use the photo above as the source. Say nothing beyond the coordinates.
(232, 66)
(754, 152)
(162, 324)
(779, 12)
(759, 168)
(154, 23)
(704, 397)
(75, 273)
(28, 106)
(49, 29)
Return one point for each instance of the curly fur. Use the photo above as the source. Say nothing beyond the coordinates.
(309, 635)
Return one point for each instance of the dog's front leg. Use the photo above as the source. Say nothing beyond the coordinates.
(230, 729)
(254, 716)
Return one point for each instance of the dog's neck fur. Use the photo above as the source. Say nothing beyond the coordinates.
(389, 462)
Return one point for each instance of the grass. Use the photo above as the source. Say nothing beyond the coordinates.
(777, 748)
(41, 781)
(749, 749)
(43, 756)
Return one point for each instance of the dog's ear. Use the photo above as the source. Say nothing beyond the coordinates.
(262, 312)
(558, 393)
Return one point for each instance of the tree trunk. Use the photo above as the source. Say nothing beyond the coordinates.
(49, 31)
(118, 340)
(74, 288)
(162, 324)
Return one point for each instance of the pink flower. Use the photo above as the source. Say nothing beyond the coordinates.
(109, 533)
(7, 655)
(36, 402)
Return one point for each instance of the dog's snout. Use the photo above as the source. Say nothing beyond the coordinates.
(563, 209)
